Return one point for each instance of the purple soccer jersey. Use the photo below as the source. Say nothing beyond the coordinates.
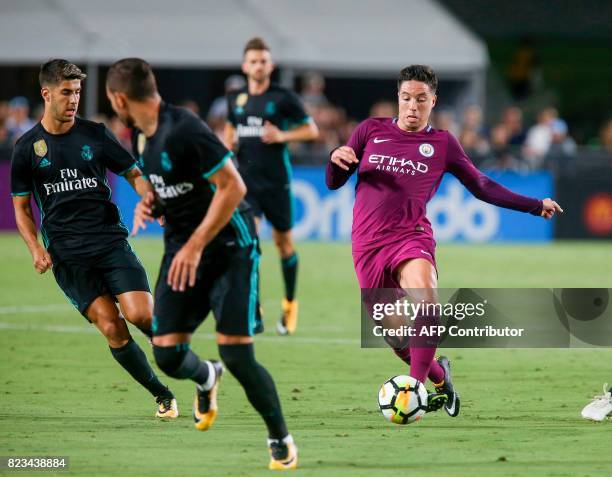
(398, 173)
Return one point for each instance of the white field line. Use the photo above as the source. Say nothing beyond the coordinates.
(89, 329)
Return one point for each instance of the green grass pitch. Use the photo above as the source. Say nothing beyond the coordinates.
(61, 393)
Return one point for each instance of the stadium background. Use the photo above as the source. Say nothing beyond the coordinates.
(525, 86)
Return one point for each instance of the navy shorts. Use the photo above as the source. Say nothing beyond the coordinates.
(115, 271)
(226, 284)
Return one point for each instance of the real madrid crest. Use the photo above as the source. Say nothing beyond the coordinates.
(242, 99)
(426, 150)
(40, 148)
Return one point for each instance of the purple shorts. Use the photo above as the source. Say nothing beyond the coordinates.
(376, 267)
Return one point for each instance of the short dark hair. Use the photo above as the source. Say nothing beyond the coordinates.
(256, 43)
(422, 73)
(132, 76)
(55, 71)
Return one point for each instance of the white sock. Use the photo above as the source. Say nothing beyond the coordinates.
(212, 377)
(286, 440)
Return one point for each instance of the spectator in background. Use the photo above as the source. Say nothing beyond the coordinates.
(524, 72)
(121, 132)
(562, 145)
(539, 138)
(191, 105)
(445, 120)
(6, 144)
(383, 109)
(19, 120)
(313, 91)
(512, 119)
(217, 114)
(472, 136)
(502, 157)
(605, 136)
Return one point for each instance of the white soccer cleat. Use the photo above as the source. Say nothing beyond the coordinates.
(601, 407)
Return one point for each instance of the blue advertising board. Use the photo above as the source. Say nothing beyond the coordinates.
(455, 214)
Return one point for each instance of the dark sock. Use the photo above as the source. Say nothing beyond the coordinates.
(134, 361)
(290, 268)
(180, 362)
(257, 384)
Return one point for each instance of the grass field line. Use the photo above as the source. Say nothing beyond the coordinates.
(208, 336)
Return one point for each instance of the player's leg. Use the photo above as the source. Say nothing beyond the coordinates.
(103, 313)
(234, 303)
(253, 198)
(137, 308)
(174, 357)
(418, 277)
(277, 206)
(176, 317)
(125, 277)
(289, 265)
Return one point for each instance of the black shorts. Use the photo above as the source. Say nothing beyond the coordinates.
(226, 283)
(115, 271)
(276, 204)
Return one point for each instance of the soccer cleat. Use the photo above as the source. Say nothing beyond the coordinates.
(601, 407)
(283, 454)
(205, 405)
(453, 402)
(168, 408)
(435, 401)
(288, 320)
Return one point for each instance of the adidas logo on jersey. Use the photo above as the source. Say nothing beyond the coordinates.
(44, 163)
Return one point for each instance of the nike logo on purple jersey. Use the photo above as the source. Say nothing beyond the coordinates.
(376, 140)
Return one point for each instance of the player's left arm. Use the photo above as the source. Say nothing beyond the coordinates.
(487, 190)
(304, 132)
(229, 191)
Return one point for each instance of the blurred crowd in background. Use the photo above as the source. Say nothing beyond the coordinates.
(511, 141)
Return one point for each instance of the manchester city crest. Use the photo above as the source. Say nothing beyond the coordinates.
(426, 150)
(87, 153)
(40, 148)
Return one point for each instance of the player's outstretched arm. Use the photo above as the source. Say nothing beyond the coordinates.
(304, 132)
(229, 191)
(487, 190)
(550, 208)
(27, 229)
(342, 163)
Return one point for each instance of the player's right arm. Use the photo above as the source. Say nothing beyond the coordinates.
(21, 189)
(344, 160)
(27, 229)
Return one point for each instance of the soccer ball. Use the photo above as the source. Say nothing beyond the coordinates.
(402, 399)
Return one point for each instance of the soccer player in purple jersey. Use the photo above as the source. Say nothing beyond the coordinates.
(400, 163)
